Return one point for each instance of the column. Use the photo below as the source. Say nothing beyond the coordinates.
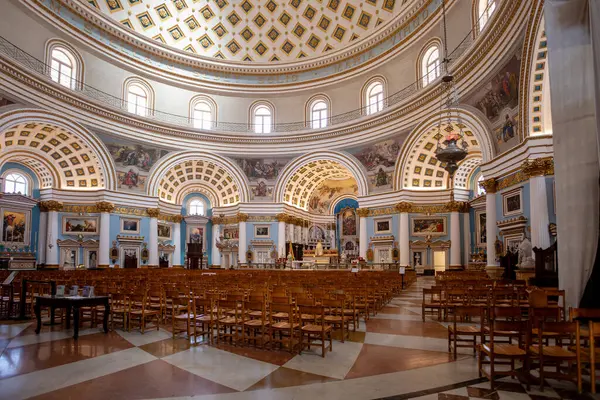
(363, 240)
(455, 239)
(290, 227)
(242, 245)
(104, 208)
(332, 236)
(537, 171)
(153, 237)
(282, 218)
(52, 253)
(466, 237)
(403, 233)
(490, 225)
(305, 232)
(42, 233)
(216, 254)
(176, 262)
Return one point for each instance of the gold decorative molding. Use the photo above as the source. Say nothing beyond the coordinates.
(362, 212)
(138, 212)
(457, 206)
(241, 217)
(282, 217)
(51, 205)
(511, 180)
(153, 212)
(105, 207)
(489, 185)
(217, 220)
(404, 207)
(538, 167)
(171, 218)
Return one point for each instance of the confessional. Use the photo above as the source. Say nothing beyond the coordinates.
(546, 266)
(130, 260)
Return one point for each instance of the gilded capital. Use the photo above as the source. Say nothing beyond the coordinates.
(105, 207)
(177, 218)
(404, 207)
(241, 217)
(489, 185)
(217, 220)
(456, 206)
(362, 212)
(153, 212)
(538, 167)
(51, 205)
(282, 217)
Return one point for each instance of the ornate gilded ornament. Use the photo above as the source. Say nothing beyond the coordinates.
(457, 206)
(282, 217)
(538, 167)
(489, 185)
(51, 205)
(362, 212)
(404, 207)
(105, 207)
(153, 212)
(217, 220)
(241, 217)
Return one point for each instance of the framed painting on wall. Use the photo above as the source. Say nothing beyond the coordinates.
(348, 222)
(80, 225)
(513, 241)
(383, 225)
(130, 225)
(230, 232)
(512, 202)
(480, 228)
(262, 231)
(15, 226)
(164, 231)
(425, 226)
(195, 234)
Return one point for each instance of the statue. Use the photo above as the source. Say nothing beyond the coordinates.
(525, 254)
(498, 248)
(319, 249)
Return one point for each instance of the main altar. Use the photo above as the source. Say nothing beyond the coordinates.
(325, 257)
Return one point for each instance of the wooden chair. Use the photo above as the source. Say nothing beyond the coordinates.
(335, 316)
(119, 307)
(139, 311)
(556, 355)
(229, 324)
(283, 330)
(502, 353)
(203, 318)
(181, 313)
(316, 330)
(255, 327)
(432, 302)
(593, 354)
(505, 313)
(457, 332)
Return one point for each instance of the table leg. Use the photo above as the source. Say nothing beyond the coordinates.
(52, 312)
(105, 321)
(68, 312)
(75, 322)
(38, 315)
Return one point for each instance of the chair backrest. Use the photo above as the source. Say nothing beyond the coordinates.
(537, 314)
(317, 312)
(584, 313)
(519, 326)
(538, 298)
(506, 313)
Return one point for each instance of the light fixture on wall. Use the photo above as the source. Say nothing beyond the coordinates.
(449, 152)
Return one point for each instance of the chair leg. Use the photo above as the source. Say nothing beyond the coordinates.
(479, 362)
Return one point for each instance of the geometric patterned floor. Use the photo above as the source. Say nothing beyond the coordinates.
(394, 355)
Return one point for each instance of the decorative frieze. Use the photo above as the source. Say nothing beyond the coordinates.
(105, 207)
(51, 205)
(362, 212)
(153, 212)
(538, 167)
(512, 180)
(404, 207)
(241, 217)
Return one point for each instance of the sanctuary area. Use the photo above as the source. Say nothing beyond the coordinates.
(299, 199)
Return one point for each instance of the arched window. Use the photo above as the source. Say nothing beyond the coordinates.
(485, 9)
(430, 64)
(263, 119)
(374, 97)
(15, 183)
(63, 68)
(318, 114)
(479, 190)
(202, 115)
(137, 99)
(196, 207)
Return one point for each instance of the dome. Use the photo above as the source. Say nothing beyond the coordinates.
(253, 30)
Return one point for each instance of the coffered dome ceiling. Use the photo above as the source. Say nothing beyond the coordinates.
(253, 30)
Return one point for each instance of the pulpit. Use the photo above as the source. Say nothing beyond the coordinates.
(194, 255)
(546, 267)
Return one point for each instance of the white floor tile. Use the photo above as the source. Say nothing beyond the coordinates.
(10, 331)
(48, 336)
(411, 342)
(47, 380)
(225, 368)
(399, 317)
(336, 364)
(137, 339)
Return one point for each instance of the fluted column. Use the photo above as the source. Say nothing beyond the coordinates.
(404, 233)
(281, 234)
(53, 207)
(490, 224)
(105, 208)
(466, 238)
(177, 241)
(153, 237)
(537, 171)
(243, 246)
(363, 239)
(216, 254)
(290, 227)
(42, 233)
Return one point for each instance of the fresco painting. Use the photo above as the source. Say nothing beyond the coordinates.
(379, 159)
(328, 191)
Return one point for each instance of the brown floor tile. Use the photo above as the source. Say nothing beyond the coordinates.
(166, 347)
(358, 337)
(376, 360)
(156, 379)
(511, 387)
(444, 396)
(482, 393)
(34, 357)
(397, 311)
(277, 357)
(285, 377)
(409, 328)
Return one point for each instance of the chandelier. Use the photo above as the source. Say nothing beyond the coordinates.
(449, 152)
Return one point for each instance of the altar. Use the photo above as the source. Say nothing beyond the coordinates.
(328, 257)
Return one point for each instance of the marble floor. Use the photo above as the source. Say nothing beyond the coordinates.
(395, 355)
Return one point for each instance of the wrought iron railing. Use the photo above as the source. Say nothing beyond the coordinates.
(21, 57)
